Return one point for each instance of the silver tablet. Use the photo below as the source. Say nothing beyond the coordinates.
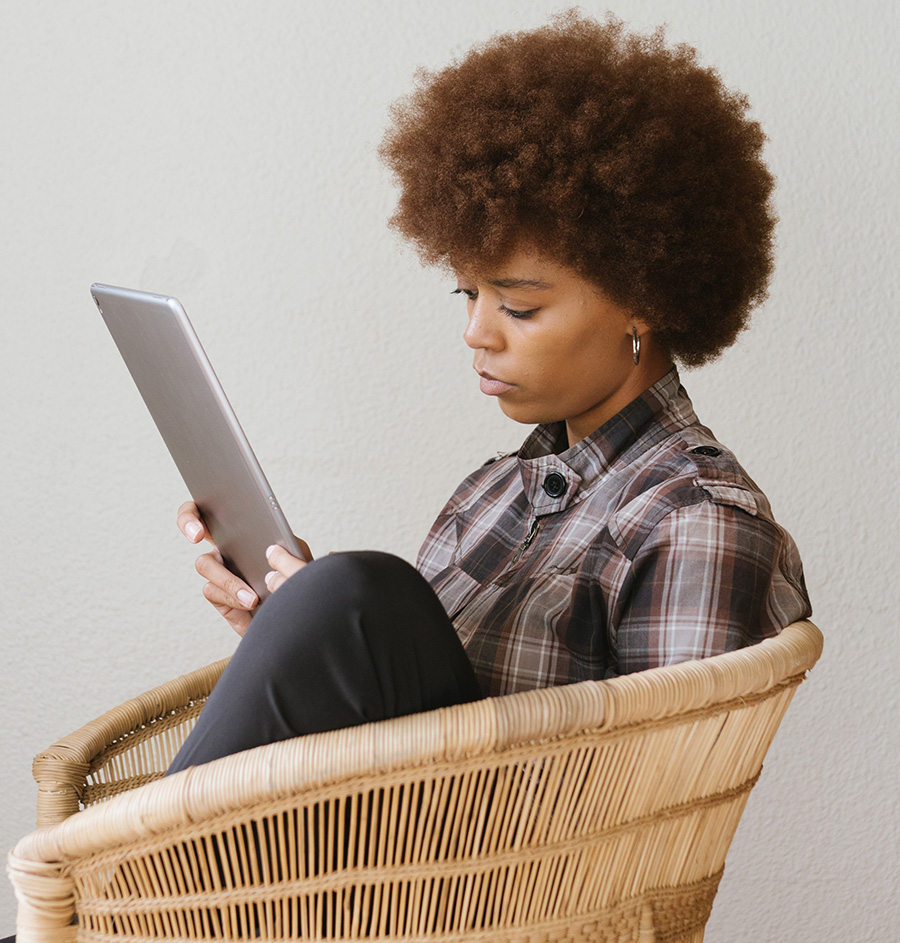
(197, 423)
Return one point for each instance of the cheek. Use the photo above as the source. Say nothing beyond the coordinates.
(577, 357)
(587, 369)
(605, 348)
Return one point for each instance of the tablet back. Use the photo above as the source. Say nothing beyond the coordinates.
(197, 423)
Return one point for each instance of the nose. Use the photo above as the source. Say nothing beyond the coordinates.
(482, 332)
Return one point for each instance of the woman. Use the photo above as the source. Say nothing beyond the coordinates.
(602, 202)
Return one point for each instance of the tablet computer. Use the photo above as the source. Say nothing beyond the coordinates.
(190, 409)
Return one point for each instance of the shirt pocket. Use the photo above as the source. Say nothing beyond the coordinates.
(539, 608)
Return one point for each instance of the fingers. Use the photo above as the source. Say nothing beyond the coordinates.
(284, 565)
(229, 594)
(238, 619)
(190, 523)
(223, 587)
(232, 598)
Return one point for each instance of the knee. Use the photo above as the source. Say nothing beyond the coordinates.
(364, 593)
(341, 587)
(358, 573)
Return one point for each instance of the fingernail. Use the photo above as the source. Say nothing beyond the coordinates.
(193, 530)
(271, 550)
(270, 576)
(246, 598)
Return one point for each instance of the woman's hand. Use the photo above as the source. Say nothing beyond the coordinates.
(232, 598)
(284, 564)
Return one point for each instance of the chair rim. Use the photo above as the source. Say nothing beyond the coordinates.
(442, 736)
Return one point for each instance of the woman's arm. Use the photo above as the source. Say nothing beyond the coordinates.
(709, 578)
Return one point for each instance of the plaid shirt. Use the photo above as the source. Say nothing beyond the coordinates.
(644, 544)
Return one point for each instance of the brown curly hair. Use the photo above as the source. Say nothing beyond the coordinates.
(611, 153)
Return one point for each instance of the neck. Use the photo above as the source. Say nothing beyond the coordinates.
(654, 365)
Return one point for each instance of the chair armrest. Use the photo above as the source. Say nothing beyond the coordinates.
(126, 747)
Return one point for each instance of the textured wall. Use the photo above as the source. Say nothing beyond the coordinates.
(223, 152)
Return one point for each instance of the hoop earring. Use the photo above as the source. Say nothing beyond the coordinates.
(635, 346)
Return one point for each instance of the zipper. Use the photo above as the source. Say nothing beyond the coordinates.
(529, 537)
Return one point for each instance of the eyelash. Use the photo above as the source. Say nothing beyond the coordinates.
(472, 294)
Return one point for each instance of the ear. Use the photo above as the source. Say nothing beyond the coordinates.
(641, 326)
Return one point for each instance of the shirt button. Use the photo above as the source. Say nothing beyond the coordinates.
(706, 450)
(555, 485)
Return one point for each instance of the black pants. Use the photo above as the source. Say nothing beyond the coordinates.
(351, 638)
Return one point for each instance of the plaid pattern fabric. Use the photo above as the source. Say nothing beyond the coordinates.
(644, 544)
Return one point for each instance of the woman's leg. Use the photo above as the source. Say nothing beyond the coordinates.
(351, 638)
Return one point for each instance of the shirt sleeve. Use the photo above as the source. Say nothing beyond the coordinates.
(709, 578)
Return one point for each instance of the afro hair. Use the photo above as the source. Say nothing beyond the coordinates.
(611, 153)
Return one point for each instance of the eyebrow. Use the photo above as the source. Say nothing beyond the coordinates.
(527, 283)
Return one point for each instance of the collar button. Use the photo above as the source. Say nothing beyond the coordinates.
(555, 485)
(709, 450)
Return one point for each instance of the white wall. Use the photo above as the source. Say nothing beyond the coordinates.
(224, 152)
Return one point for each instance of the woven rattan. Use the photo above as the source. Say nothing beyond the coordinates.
(594, 811)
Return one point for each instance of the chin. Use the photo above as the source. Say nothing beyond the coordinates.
(529, 416)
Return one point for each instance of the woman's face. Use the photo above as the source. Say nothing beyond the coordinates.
(550, 346)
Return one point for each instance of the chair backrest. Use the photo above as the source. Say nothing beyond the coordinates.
(596, 811)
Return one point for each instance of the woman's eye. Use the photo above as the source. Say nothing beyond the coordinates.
(472, 293)
(521, 315)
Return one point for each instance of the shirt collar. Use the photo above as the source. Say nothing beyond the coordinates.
(553, 479)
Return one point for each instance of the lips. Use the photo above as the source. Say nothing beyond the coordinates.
(491, 386)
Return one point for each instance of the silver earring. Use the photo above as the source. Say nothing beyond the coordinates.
(635, 346)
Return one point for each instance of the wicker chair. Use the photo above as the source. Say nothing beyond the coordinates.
(596, 811)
